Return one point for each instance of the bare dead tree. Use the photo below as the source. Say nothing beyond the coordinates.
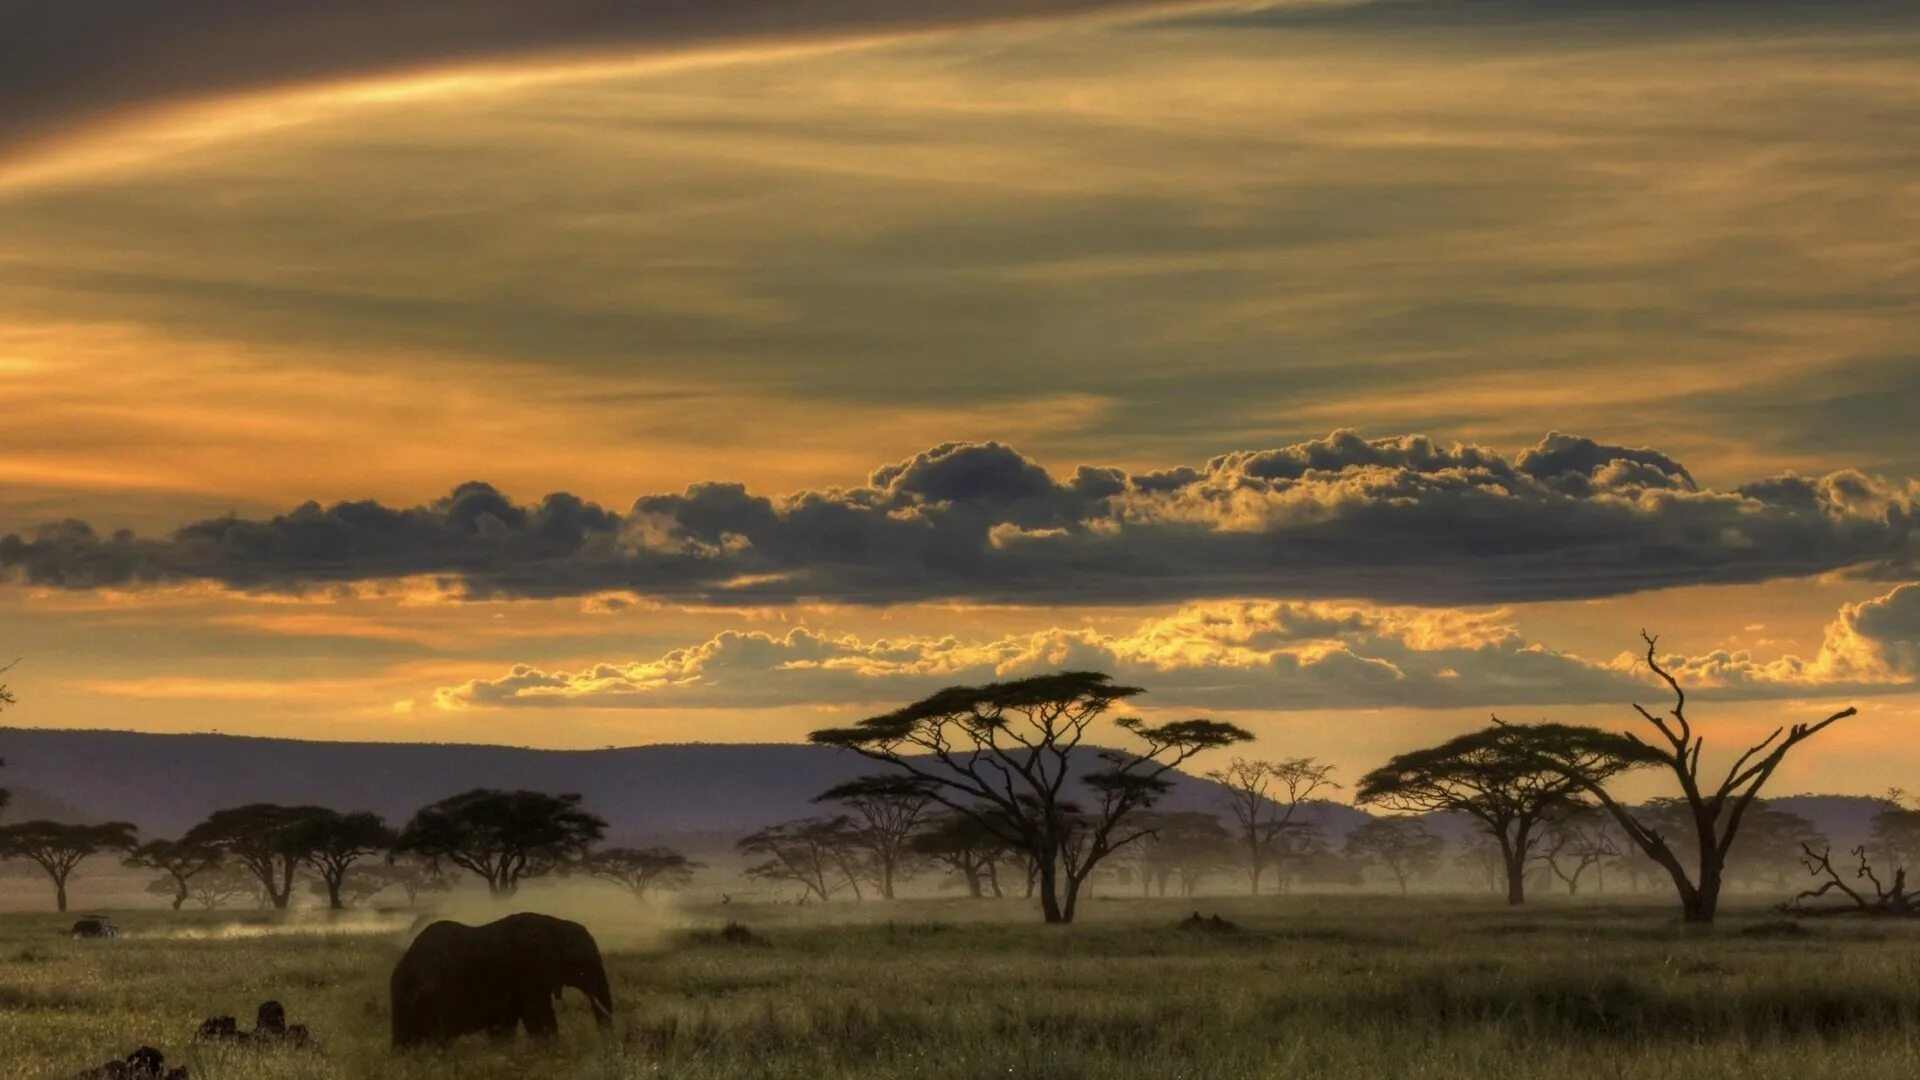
(1574, 841)
(1264, 797)
(1891, 899)
(1714, 810)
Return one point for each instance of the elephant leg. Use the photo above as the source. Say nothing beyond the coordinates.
(503, 1030)
(536, 1011)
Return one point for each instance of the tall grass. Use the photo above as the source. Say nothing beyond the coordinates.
(1309, 987)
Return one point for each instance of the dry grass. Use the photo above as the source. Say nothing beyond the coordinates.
(1335, 987)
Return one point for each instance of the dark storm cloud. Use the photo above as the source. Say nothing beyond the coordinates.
(1399, 520)
(65, 64)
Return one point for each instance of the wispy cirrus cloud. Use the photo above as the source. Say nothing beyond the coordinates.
(1397, 520)
(64, 66)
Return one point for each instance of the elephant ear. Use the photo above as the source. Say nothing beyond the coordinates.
(542, 950)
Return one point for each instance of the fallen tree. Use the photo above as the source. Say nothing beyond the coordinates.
(1894, 899)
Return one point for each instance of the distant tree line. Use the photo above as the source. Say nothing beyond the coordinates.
(1002, 789)
(261, 850)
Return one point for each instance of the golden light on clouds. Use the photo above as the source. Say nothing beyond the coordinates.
(1119, 238)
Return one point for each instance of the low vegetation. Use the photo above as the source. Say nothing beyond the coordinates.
(1306, 986)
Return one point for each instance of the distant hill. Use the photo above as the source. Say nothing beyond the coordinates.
(165, 783)
(1846, 820)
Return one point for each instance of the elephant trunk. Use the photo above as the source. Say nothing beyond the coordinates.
(594, 985)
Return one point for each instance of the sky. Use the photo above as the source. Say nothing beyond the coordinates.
(596, 374)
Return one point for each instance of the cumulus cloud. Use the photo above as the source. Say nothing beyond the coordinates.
(1270, 655)
(1395, 520)
(1874, 644)
(62, 65)
(1232, 655)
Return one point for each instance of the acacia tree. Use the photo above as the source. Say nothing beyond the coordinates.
(264, 838)
(818, 854)
(887, 811)
(6, 699)
(502, 837)
(1187, 846)
(1011, 746)
(1264, 797)
(640, 870)
(1479, 858)
(1403, 846)
(1714, 811)
(1771, 849)
(1498, 777)
(410, 874)
(58, 847)
(333, 842)
(1576, 839)
(365, 883)
(222, 884)
(179, 860)
(965, 846)
(1895, 836)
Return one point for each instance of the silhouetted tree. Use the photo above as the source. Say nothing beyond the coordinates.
(6, 699)
(1715, 810)
(1575, 840)
(366, 882)
(819, 854)
(1895, 836)
(640, 870)
(503, 837)
(961, 843)
(1300, 852)
(887, 811)
(409, 873)
(179, 860)
(58, 847)
(1264, 797)
(1402, 846)
(1011, 746)
(261, 837)
(1184, 846)
(1479, 858)
(1772, 847)
(333, 842)
(1891, 898)
(222, 884)
(1497, 776)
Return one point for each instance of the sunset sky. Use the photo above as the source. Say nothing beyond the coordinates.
(620, 374)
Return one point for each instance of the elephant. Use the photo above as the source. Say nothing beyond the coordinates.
(457, 980)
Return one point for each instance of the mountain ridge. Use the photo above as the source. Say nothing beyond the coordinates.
(166, 782)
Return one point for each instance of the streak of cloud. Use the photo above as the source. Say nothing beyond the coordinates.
(68, 65)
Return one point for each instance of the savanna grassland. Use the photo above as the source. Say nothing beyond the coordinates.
(1310, 986)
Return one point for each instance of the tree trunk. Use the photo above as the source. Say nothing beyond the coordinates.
(1699, 907)
(1516, 877)
(60, 894)
(1072, 900)
(334, 902)
(1049, 875)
